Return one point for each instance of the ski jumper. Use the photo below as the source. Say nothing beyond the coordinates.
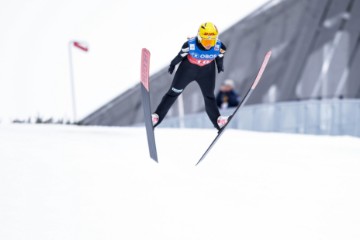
(196, 64)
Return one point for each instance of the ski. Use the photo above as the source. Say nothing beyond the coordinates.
(243, 101)
(145, 98)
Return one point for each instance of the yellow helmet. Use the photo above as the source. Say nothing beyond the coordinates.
(208, 34)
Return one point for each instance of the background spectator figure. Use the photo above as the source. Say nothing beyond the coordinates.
(227, 97)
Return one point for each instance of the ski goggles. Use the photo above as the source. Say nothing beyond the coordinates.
(208, 42)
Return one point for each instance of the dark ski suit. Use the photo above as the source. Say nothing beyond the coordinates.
(194, 68)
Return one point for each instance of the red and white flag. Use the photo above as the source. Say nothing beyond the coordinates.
(81, 45)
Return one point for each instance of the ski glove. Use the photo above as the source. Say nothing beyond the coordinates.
(171, 69)
(220, 69)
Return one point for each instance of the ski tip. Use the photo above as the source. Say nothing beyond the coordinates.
(268, 54)
(262, 69)
(145, 68)
(145, 50)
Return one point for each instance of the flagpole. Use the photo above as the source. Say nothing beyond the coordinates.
(72, 82)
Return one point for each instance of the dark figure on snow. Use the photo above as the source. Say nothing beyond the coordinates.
(197, 59)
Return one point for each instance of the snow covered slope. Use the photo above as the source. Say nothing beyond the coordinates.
(66, 182)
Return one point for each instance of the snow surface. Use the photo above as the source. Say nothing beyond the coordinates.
(67, 182)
